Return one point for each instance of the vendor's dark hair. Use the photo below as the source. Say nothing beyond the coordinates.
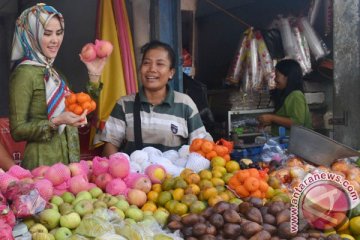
(292, 70)
(157, 44)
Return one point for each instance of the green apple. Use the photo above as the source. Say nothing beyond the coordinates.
(71, 220)
(29, 222)
(130, 221)
(68, 197)
(99, 204)
(52, 206)
(42, 236)
(38, 228)
(122, 204)
(82, 195)
(95, 192)
(118, 211)
(57, 200)
(112, 201)
(63, 233)
(134, 213)
(65, 208)
(83, 207)
(50, 218)
(148, 213)
(161, 216)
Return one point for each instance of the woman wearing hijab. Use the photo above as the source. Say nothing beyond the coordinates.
(38, 91)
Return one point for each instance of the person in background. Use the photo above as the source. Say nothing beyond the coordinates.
(6, 160)
(169, 119)
(290, 103)
(38, 91)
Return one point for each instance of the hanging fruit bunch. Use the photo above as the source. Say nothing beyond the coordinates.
(79, 102)
(209, 149)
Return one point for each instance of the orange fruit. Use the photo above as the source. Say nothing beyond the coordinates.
(82, 97)
(251, 184)
(78, 110)
(242, 175)
(211, 154)
(70, 99)
(201, 153)
(263, 186)
(227, 157)
(234, 182)
(254, 172)
(242, 191)
(206, 147)
(196, 144)
(93, 105)
(256, 193)
(220, 150)
(86, 105)
(72, 107)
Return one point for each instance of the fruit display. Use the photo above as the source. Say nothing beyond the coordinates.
(209, 149)
(166, 195)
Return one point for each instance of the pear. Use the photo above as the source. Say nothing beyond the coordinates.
(42, 236)
(38, 228)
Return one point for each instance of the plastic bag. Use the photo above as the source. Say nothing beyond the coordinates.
(25, 199)
(272, 151)
(287, 37)
(266, 62)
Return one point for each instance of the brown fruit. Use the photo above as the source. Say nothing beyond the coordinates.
(231, 216)
(190, 219)
(302, 238)
(244, 207)
(270, 228)
(275, 238)
(241, 238)
(187, 231)
(270, 219)
(191, 238)
(231, 230)
(254, 214)
(284, 231)
(207, 212)
(262, 235)
(275, 207)
(175, 225)
(221, 207)
(217, 220)
(332, 237)
(283, 216)
(174, 217)
(199, 229)
(210, 229)
(250, 228)
(207, 237)
(257, 202)
(264, 210)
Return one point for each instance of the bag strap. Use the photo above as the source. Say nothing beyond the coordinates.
(137, 123)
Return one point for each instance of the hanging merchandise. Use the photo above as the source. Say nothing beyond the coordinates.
(253, 63)
(273, 42)
(302, 51)
(317, 46)
(287, 37)
(237, 67)
(266, 62)
(314, 10)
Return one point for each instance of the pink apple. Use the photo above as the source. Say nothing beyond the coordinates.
(102, 180)
(119, 166)
(5, 180)
(156, 173)
(78, 183)
(136, 197)
(100, 165)
(45, 188)
(103, 48)
(138, 181)
(116, 187)
(39, 171)
(88, 52)
(79, 168)
(58, 173)
(19, 172)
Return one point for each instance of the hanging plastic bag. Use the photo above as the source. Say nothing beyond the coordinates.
(253, 63)
(317, 46)
(266, 62)
(314, 10)
(273, 43)
(287, 37)
(302, 54)
(237, 67)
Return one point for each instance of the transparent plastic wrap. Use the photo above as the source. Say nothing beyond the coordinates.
(314, 10)
(253, 63)
(25, 199)
(287, 37)
(272, 150)
(302, 51)
(237, 67)
(267, 66)
(316, 45)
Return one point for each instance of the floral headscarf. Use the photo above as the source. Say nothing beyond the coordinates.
(29, 31)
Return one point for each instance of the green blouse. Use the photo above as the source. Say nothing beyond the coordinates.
(29, 122)
(295, 108)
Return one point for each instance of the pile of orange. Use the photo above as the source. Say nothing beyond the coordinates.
(209, 149)
(78, 102)
(249, 182)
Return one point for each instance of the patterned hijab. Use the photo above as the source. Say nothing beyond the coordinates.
(29, 31)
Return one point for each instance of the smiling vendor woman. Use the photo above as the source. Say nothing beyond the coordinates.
(169, 119)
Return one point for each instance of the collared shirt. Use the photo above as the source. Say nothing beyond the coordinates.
(169, 125)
